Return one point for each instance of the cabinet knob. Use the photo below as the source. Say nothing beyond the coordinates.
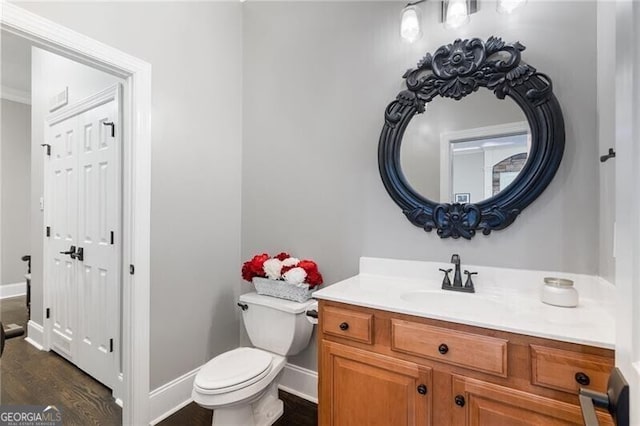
(344, 326)
(582, 379)
(443, 349)
(459, 400)
(422, 389)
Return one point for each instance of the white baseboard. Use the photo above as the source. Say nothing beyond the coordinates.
(35, 335)
(300, 382)
(13, 290)
(171, 397)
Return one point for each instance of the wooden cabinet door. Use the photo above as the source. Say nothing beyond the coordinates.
(360, 388)
(478, 403)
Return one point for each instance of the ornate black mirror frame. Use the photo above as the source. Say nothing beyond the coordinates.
(455, 71)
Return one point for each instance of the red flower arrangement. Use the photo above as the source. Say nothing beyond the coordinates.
(282, 267)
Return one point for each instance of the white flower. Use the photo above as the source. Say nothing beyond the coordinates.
(272, 268)
(295, 276)
(290, 261)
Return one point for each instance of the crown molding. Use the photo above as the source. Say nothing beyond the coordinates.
(15, 95)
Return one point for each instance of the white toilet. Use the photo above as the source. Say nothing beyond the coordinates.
(241, 385)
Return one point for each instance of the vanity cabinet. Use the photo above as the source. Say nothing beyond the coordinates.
(371, 389)
(479, 403)
(383, 368)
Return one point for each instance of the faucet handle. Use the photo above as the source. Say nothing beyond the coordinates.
(446, 282)
(469, 282)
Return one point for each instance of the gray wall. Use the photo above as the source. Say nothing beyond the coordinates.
(50, 74)
(606, 51)
(15, 124)
(317, 77)
(195, 50)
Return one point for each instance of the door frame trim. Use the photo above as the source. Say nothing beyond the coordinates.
(627, 193)
(97, 99)
(136, 181)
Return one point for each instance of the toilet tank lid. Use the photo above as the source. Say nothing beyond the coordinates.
(275, 303)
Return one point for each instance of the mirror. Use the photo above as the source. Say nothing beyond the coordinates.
(475, 138)
(463, 152)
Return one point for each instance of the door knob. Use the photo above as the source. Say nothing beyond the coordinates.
(422, 389)
(344, 326)
(78, 255)
(459, 399)
(443, 349)
(71, 251)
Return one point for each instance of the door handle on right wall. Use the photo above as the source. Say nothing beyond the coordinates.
(616, 401)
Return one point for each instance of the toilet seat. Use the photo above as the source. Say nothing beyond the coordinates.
(233, 370)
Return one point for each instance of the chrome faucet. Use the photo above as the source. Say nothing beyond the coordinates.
(457, 278)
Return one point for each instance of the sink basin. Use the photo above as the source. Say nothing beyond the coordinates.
(453, 301)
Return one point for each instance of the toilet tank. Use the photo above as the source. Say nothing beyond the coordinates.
(277, 325)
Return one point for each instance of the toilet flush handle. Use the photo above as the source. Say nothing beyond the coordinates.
(312, 313)
(243, 306)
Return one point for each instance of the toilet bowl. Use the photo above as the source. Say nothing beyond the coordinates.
(241, 385)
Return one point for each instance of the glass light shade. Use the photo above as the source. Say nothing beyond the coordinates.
(508, 6)
(410, 24)
(457, 13)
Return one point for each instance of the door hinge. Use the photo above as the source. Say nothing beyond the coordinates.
(132, 269)
(113, 128)
(112, 238)
(48, 231)
(110, 345)
(48, 313)
(48, 148)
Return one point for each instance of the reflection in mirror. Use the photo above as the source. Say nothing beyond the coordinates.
(465, 151)
(483, 165)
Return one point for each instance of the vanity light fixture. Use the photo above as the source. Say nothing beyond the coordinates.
(410, 27)
(508, 6)
(455, 13)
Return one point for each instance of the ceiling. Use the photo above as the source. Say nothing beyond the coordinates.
(16, 67)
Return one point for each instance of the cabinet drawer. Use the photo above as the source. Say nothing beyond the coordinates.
(564, 370)
(349, 324)
(482, 353)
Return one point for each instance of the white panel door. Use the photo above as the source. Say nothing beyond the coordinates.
(90, 214)
(98, 221)
(62, 279)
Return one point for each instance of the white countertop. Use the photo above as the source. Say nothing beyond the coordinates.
(505, 299)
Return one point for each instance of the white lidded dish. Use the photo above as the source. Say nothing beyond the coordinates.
(559, 292)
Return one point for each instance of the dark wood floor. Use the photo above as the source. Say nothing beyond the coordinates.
(297, 412)
(32, 377)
